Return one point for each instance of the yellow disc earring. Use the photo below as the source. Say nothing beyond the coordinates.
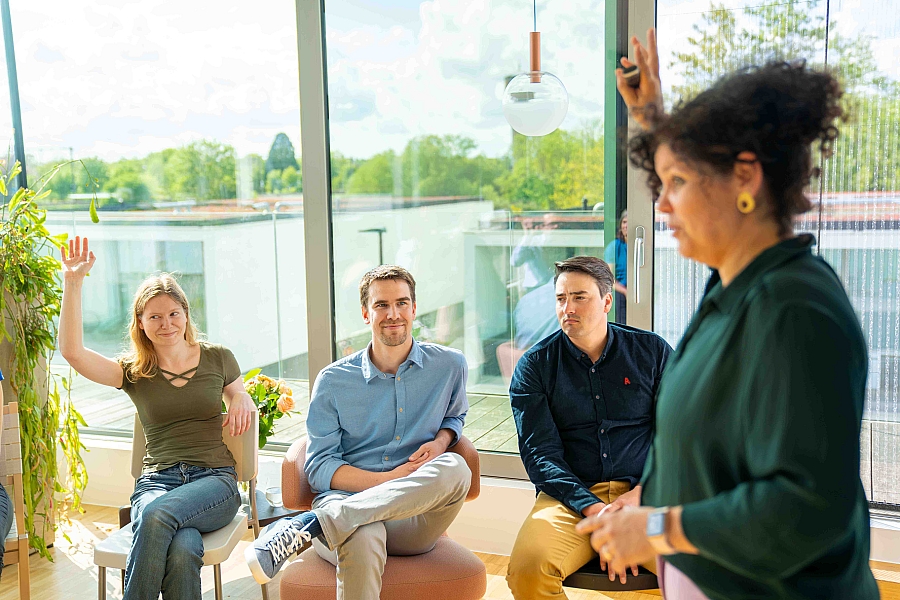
(745, 203)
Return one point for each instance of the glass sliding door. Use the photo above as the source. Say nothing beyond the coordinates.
(426, 173)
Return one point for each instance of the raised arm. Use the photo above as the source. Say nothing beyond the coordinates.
(645, 100)
(77, 261)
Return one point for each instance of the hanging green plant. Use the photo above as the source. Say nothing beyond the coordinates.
(29, 307)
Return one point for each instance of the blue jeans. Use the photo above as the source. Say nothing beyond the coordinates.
(169, 511)
(6, 520)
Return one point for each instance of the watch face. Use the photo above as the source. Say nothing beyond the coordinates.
(656, 524)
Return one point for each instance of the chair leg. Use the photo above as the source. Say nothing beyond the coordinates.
(101, 583)
(123, 581)
(254, 522)
(24, 575)
(254, 515)
(217, 577)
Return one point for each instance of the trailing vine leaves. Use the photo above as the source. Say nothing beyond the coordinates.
(29, 307)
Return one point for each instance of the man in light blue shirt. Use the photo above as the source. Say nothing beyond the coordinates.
(380, 423)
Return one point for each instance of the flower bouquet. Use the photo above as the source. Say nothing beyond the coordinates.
(273, 400)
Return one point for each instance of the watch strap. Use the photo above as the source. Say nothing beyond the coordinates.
(657, 538)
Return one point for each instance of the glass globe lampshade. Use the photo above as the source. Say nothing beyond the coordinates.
(535, 103)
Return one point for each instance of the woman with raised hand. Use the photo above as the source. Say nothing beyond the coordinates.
(751, 488)
(176, 381)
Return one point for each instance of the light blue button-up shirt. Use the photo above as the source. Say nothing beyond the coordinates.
(375, 421)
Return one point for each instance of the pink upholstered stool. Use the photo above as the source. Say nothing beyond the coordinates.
(449, 572)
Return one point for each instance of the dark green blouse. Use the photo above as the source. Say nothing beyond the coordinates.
(757, 435)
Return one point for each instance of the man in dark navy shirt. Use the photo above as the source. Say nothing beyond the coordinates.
(583, 400)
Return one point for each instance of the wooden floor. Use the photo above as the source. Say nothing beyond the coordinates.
(73, 576)
(489, 422)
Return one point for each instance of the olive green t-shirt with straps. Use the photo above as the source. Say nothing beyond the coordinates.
(184, 424)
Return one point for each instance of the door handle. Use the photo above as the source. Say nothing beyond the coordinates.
(639, 233)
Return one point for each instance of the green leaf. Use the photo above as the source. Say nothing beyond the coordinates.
(17, 197)
(93, 211)
(251, 374)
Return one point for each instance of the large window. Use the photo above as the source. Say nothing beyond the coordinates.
(427, 174)
(182, 120)
(856, 201)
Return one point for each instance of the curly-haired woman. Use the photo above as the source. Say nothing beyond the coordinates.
(752, 487)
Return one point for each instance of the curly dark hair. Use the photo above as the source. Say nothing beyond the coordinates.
(776, 111)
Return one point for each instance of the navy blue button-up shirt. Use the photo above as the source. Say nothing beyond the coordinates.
(581, 423)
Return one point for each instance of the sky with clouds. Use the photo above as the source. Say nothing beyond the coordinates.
(115, 78)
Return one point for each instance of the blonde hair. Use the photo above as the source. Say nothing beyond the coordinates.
(141, 360)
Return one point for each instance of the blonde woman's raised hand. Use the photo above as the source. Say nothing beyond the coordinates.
(77, 259)
(646, 99)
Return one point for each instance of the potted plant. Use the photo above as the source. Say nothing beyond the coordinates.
(29, 306)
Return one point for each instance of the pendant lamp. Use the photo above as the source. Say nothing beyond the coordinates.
(535, 103)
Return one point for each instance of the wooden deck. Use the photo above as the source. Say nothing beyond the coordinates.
(489, 423)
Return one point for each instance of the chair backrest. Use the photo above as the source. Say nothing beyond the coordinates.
(10, 442)
(244, 448)
(11, 474)
(298, 495)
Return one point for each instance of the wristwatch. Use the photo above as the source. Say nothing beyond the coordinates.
(656, 531)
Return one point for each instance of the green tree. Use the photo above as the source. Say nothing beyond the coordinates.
(156, 175)
(554, 172)
(290, 181)
(866, 152)
(281, 154)
(342, 169)
(374, 176)
(126, 181)
(273, 182)
(258, 172)
(71, 179)
(203, 170)
(432, 165)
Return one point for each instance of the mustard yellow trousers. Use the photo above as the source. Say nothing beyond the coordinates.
(547, 549)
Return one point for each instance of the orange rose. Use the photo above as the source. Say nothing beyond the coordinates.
(285, 403)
